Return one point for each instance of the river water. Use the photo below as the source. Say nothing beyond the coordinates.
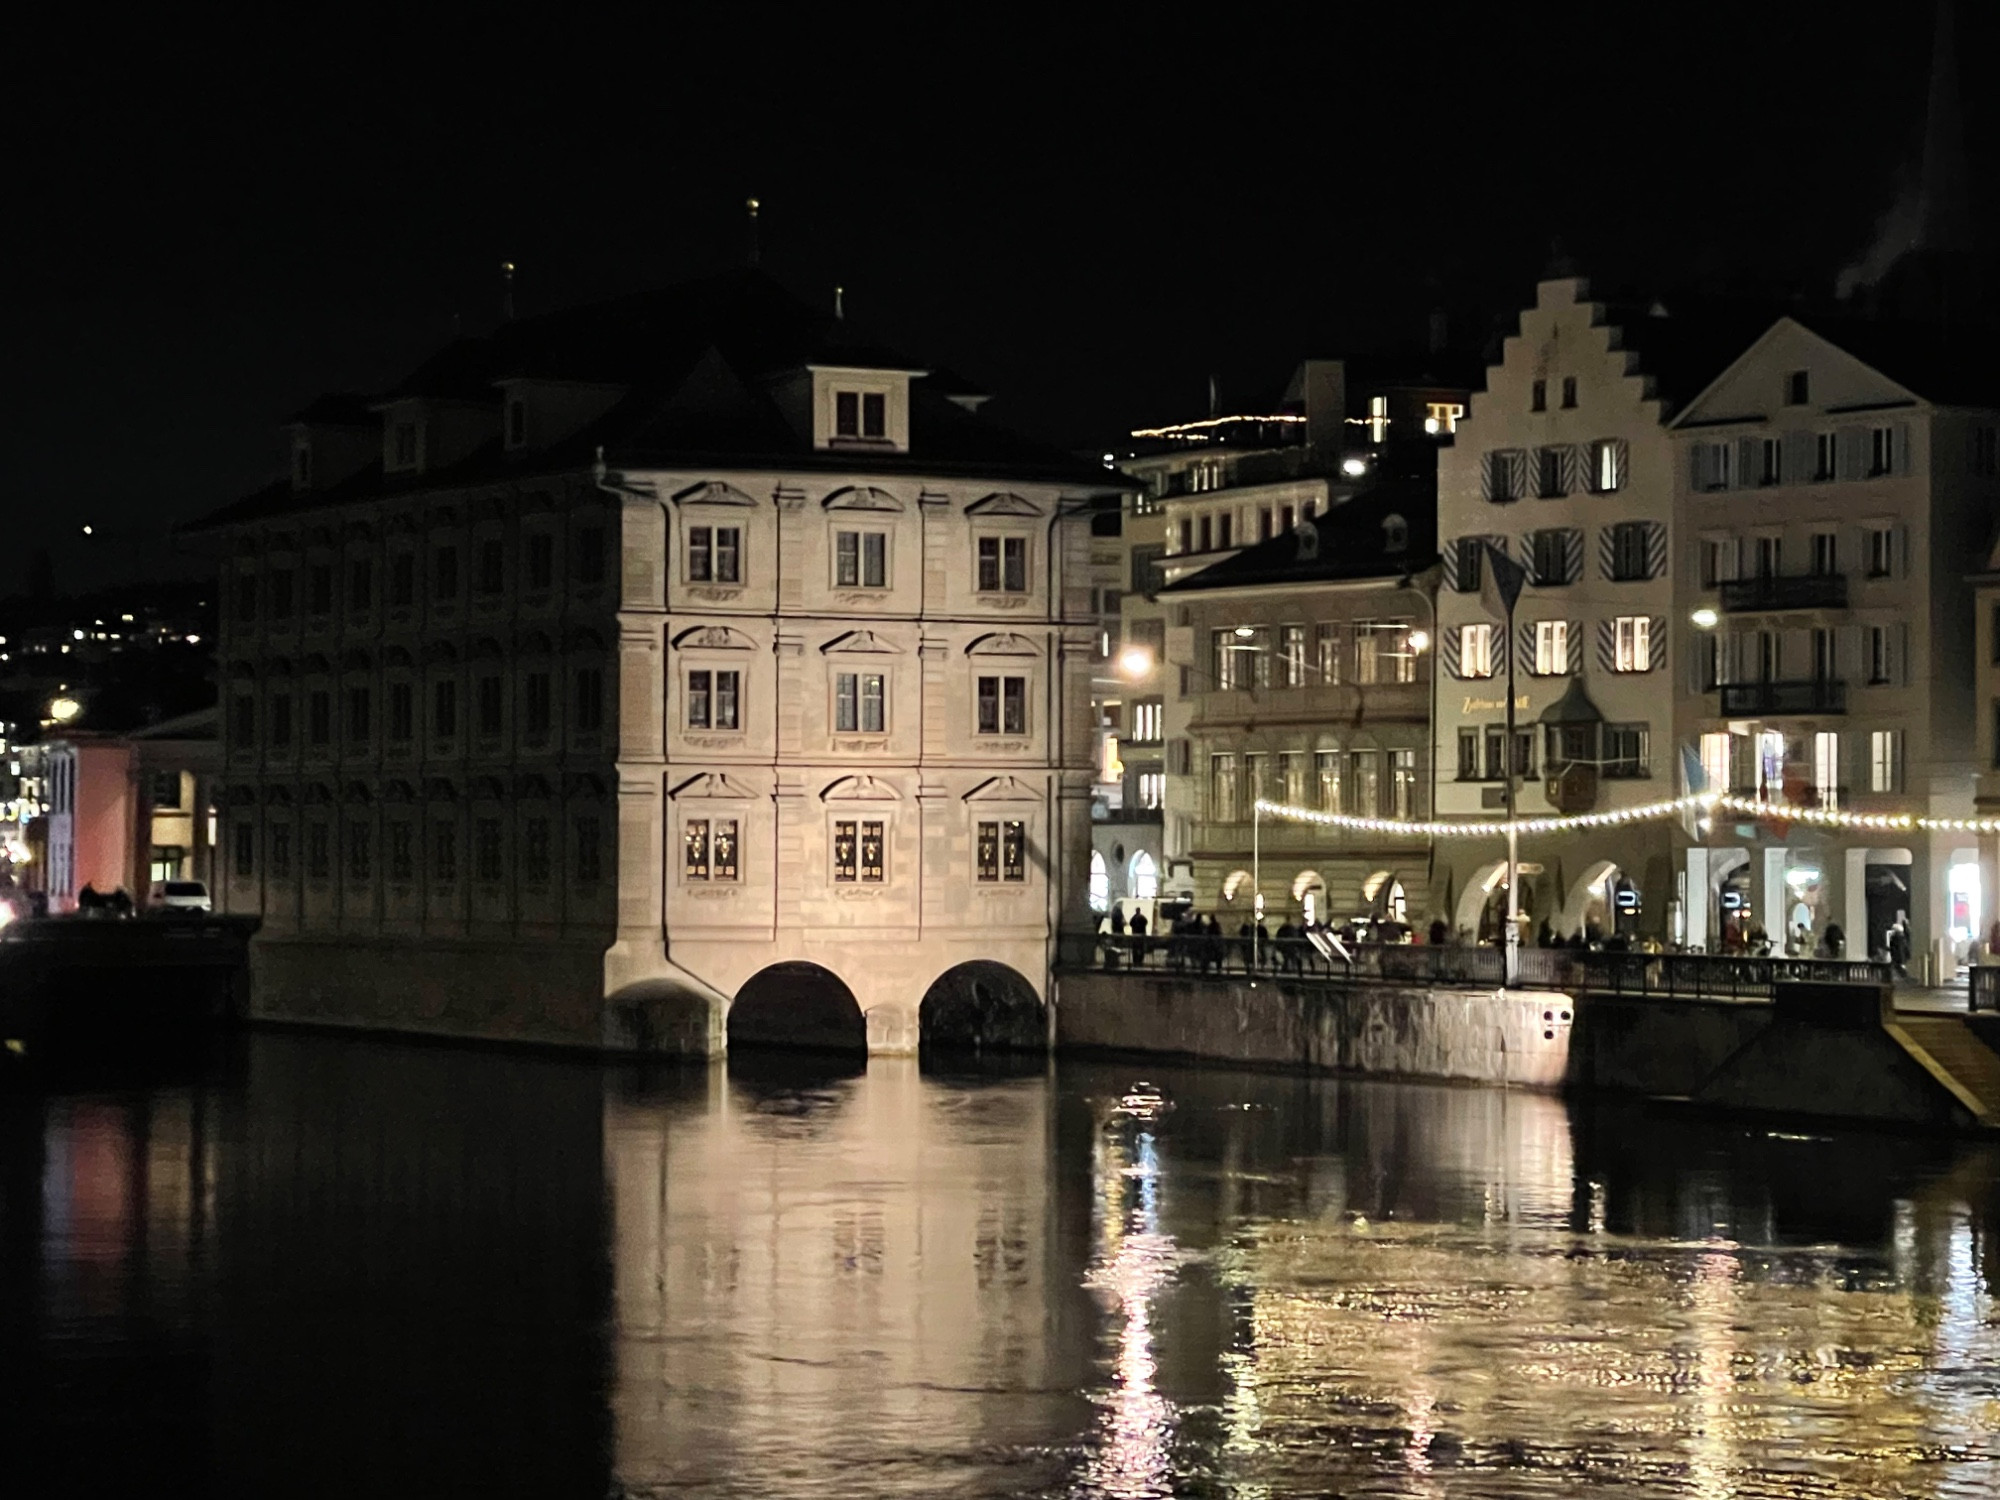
(321, 1266)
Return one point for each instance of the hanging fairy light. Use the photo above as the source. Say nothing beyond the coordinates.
(1706, 804)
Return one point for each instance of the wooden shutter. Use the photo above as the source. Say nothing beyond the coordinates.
(1526, 633)
(1656, 549)
(1656, 642)
(1486, 471)
(1607, 644)
(1575, 663)
(1905, 462)
(1449, 652)
(1451, 565)
(1697, 466)
(1576, 468)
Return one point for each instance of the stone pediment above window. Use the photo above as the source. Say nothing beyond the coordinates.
(396, 656)
(713, 492)
(437, 789)
(1002, 643)
(861, 497)
(1004, 503)
(399, 791)
(1003, 789)
(860, 789)
(711, 787)
(316, 666)
(860, 643)
(318, 794)
(713, 638)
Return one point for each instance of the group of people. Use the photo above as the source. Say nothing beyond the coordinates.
(1196, 943)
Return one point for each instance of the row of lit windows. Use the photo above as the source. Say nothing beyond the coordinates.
(1223, 529)
(358, 718)
(859, 846)
(1553, 647)
(1771, 765)
(1292, 656)
(396, 857)
(861, 559)
(1615, 751)
(1349, 781)
(1598, 468)
(278, 586)
(714, 701)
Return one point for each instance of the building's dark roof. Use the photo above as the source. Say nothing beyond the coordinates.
(697, 362)
(1351, 544)
(1683, 343)
(1946, 365)
(337, 409)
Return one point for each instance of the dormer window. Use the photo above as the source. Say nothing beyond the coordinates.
(517, 423)
(862, 415)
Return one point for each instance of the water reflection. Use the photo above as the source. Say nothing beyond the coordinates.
(334, 1267)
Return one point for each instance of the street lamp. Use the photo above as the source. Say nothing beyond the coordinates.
(62, 710)
(1705, 618)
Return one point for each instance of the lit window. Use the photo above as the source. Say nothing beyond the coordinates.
(1378, 418)
(1607, 465)
(709, 849)
(1442, 416)
(1632, 644)
(1826, 768)
(1002, 851)
(1551, 647)
(1475, 650)
(1715, 757)
(1152, 789)
(1885, 760)
(1100, 882)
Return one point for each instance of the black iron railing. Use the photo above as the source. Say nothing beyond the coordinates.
(1813, 591)
(1810, 696)
(1718, 976)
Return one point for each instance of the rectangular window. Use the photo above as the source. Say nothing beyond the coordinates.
(1538, 396)
(406, 445)
(1326, 652)
(1632, 644)
(402, 855)
(538, 709)
(857, 852)
(281, 721)
(1501, 472)
(1003, 851)
(1475, 650)
(1152, 790)
(444, 854)
(1607, 464)
(281, 852)
(535, 851)
(1468, 755)
(1825, 554)
(712, 699)
(588, 686)
(357, 851)
(1880, 667)
(1402, 784)
(246, 850)
(1881, 551)
(1569, 392)
(402, 580)
(487, 862)
(589, 851)
(402, 711)
(243, 721)
(1292, 777)
(986, 852)
(444, 575)
(1717, 465)
(1826, 456)
(1003, 564)
(1291, 656)
(1549, 557)
(319, 717)
(1003, 705)
(1797, 384)
(847, 414)
(1627, 751)
(1364, 780)
(1881, 450)
(319, 580)
(1222, 788)
(723, 849)
(541, 562)
(444, 709)
(694, 847)
(1471, 563)
(1715, 759)
(281, 594)
(1771, 465)
(360, 585)
(590, 555)
(1628, 552)
(357, 714)
(492, 719)
(1551, 647)
(858, 703)
(319, 852)
(861, 559)
(1826, 768)
(1885, 760)
(1148, 721)
(246, 599)
(715, 554)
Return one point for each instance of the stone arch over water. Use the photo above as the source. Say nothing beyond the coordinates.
(797, 1004)
(982, 1006)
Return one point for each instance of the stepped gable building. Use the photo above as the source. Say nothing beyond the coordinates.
(676, 668)
(1836, 484)
(1564, 464)
(1309, 682)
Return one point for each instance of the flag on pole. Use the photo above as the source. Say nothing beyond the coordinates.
(1500, 582)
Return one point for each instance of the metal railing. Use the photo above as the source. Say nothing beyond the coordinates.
(1808, 591)
(1718, 976)
(1983, 987)
(1808, 696)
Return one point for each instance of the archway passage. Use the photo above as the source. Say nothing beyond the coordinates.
(982, 1006)
(799, 1005)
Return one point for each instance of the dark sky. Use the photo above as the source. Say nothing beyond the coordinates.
(210, 226)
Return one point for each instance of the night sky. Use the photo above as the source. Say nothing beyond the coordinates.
(210, 226)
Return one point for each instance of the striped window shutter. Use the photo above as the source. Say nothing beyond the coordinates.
(1525, 633)
(1656, 635)
(1572, 555)
(1656, 549)
(1607, 550)
(1576, 468)
(1528, 557)
(1607, 644)
(1575, 663)
(1451, 565)
(1500, 651)
(1488, 464)
(1621, 467)
(1448, 649)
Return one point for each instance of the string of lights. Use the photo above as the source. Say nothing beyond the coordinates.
(1706, 804)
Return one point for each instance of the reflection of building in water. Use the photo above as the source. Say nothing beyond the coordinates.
(808, 1277)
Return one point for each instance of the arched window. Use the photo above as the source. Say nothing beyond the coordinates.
(1100, 883)
(1145, 877)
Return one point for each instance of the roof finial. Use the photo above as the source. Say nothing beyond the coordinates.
(750, 206)
(506, 291)
(839, 304)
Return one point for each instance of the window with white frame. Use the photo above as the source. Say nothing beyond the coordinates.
(1881, 450)
(1292, 777)
(1402, 784)
(713, 699)
(715, 554)
(1222, 788)
(860, 415)
(859, 703)
(1003, 565)
(1152, 789)
(1826, 768)
(1475, 650)
(1881, 551)
(1715, 758)
(1148, 720)
(1326, 780)
(1626, 751)
(1632, 644)
(1551, 647)
(860, 559)
(1003, 705)
(1885, 760)
(1826, 455)
(1001, 851)
(708, 849)
(1771, 465)
(1607, 464)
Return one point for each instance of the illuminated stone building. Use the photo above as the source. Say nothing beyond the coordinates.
(677, 657)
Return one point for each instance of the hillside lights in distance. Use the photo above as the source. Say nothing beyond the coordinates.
(1135, 661)
(1705, 618)
(63, 710)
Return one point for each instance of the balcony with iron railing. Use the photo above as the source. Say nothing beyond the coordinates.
(1808, 591)
(1811, 696)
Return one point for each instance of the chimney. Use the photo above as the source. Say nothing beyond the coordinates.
(1323, 391)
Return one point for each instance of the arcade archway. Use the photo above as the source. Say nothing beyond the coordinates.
(797, 1004)
(982, 1006)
